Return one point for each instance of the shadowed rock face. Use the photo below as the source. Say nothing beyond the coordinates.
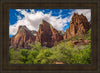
(47, 35)
(78, 25)
(22, 38)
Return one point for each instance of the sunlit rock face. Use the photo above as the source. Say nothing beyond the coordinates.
(78, 25)
(22, 38)
(47, 35)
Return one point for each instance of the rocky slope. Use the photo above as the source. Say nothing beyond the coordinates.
(22, 38)
(78, 25)
(47, 35)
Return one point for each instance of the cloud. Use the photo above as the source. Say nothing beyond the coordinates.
(33, 19)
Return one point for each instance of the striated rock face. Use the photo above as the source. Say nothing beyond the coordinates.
(22, 38)
(47, 35)
(78, 25)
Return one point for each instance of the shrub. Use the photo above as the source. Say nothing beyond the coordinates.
(81, 56)
(66, 53)
(89, 35)
(14, 57)
(32, 56)
(43, 55)
(24, 55)
(89, 32)
(37, 46)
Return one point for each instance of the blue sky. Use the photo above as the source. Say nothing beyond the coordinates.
(58, 18)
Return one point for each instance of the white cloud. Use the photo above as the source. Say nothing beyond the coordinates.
(33, 19)
(18, 9)
(32, 11)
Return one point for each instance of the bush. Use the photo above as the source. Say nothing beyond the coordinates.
(43, 55)
(14, 57)
(31, 57)
(66, 53)
(24, 55)
(37, 46)
(83, 56)
(72, 55)
(89, 32)
(89, 35)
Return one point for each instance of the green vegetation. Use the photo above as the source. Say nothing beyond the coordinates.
(89, 35)
(62, 52)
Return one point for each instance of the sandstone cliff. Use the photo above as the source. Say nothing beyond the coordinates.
(47, 35)
(22, 38)
(78, 25)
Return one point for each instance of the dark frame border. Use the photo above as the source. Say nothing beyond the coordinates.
(57, 5)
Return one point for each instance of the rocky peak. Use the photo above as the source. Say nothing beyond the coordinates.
(22, 38)
(78, 18)
(43, 22)
(47, 35)
(75, 14)
(22, 29)
(78, 25)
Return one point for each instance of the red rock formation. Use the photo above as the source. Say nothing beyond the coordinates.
(47, 35)
(78, 25)
(80, 42)
(22, 38)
